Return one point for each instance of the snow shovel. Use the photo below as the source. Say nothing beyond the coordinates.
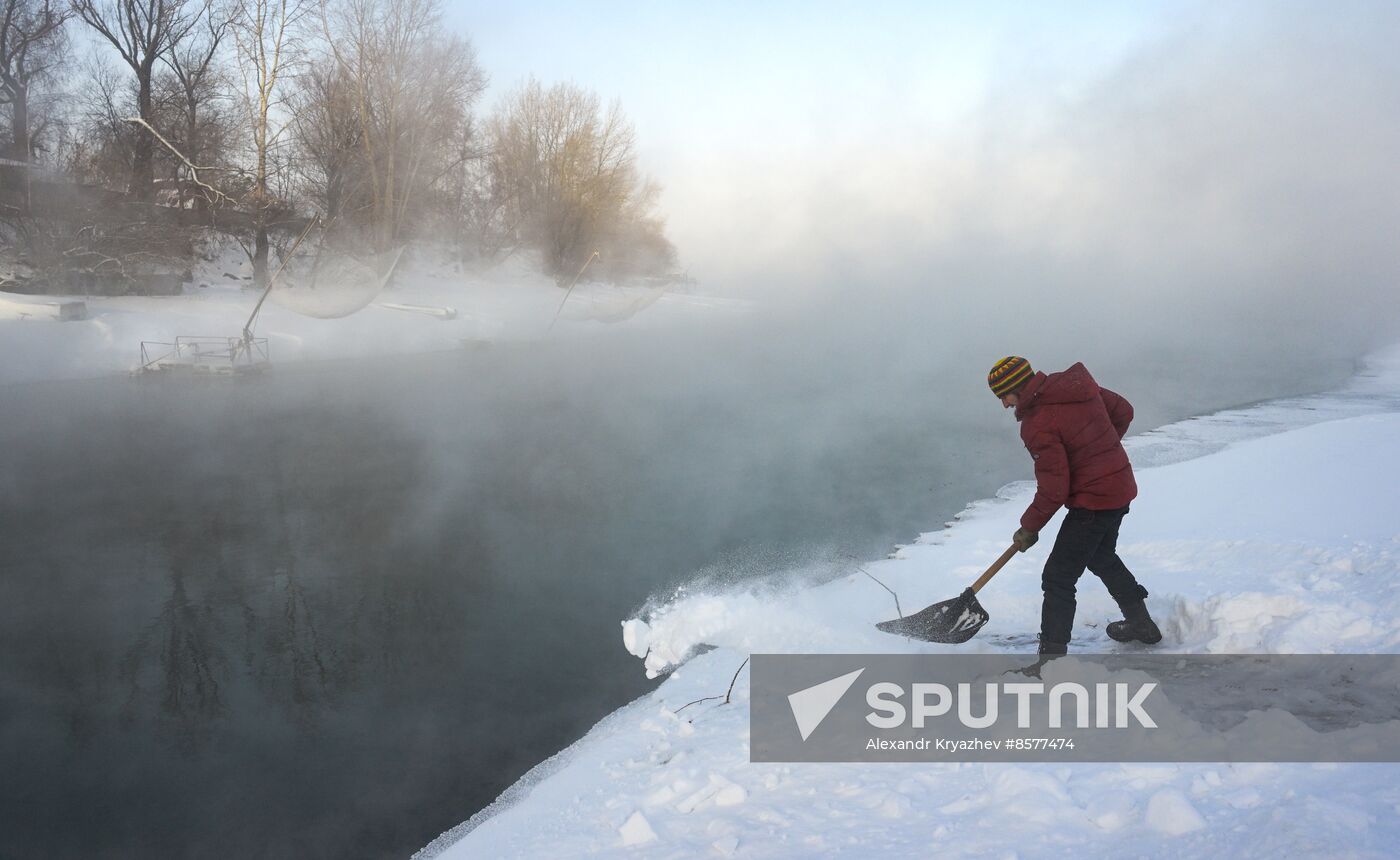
(951, 621)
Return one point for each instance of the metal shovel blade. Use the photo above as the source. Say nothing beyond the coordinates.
(949, 622)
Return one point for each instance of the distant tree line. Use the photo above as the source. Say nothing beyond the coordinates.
(362, 111)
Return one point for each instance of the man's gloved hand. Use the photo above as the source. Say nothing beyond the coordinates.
(1025, 539)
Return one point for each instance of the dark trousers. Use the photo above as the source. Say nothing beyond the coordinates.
(1086, 539)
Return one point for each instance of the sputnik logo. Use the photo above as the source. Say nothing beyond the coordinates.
(810, 706)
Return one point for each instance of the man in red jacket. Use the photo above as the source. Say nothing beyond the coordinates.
(1074, 430)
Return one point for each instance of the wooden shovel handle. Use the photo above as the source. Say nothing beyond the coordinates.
(996, 566)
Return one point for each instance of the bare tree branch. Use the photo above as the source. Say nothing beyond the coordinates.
(142, 31)
(191, 166)
(32, 43)
(727, 693)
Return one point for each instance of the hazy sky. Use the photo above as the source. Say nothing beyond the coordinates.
(745, 102)
(726, 73)
(1204, 159)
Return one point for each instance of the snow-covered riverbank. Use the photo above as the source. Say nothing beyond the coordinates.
(1266, 529)
(430, 305)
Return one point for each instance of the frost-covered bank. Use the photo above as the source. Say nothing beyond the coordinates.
(1268, 529)
(431, 304)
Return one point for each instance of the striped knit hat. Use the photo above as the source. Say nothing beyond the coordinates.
(1008, 374)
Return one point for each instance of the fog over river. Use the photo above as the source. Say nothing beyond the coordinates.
(334, 611)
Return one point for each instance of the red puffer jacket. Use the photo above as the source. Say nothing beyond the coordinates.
(1073, 429)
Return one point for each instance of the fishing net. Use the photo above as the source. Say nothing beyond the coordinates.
(333, 285)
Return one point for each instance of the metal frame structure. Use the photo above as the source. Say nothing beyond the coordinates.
(219, 356)
(213, 356)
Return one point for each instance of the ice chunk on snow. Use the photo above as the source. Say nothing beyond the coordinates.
(637, 830)
(634, 636)
(1171, 813)
(894, 805)
(1111, 811)
(731, 795)
(719, 790)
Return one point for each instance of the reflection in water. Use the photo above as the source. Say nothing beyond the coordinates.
(174, 668)
(332, 615)
(277, 578)
(262, 625)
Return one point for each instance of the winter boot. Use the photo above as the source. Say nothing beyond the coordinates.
(1052, 649)
(1136, 626)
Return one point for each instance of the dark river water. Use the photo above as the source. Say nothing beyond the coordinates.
(334, 611)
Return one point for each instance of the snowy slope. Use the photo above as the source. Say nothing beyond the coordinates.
(1268, 529)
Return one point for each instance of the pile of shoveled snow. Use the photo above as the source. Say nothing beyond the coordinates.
(1282, 543)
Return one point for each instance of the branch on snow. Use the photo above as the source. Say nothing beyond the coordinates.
(727, 693)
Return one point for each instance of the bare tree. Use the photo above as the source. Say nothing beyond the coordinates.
(142, 31)
(413, 86)
(637, 244)
(468, 210)
(31, 45)
(105, 98)
(192, 90)
(326, 129)
(268, 37)
(564, 171)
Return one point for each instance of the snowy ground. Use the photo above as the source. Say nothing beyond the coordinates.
(1267, 529)
(431, 304)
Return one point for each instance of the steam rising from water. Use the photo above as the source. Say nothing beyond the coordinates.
(1229, 184)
